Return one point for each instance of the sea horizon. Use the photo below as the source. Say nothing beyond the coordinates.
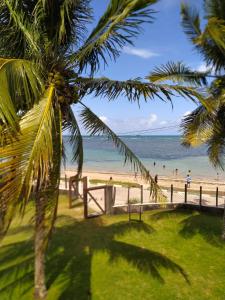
(165, 151)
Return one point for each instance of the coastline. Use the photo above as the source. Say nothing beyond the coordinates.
(163, 181)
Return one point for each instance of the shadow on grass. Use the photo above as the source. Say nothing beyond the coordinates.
(69, 258)
(207, 225)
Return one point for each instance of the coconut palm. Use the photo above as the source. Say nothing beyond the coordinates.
(47, 64)
(205, 125)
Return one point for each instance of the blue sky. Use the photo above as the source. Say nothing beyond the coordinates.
(159, 43)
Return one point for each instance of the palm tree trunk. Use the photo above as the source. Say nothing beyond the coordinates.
(40, 291)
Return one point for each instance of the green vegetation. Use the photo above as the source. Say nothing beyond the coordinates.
(50, 53)
(204, 125)
(170, 255)
(116, 182)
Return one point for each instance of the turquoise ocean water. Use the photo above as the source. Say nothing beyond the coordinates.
(101, 155)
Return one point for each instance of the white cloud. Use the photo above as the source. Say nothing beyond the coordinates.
(104, 119)
(148, 122)
(203, 68)
(140, 52)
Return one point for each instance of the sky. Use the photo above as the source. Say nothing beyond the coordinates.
(160, 42)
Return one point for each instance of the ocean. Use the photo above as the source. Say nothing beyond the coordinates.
(166, 151)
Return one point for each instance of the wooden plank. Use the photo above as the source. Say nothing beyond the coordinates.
(85, 198)
(96, 188)
(147, 204)
(96, 202)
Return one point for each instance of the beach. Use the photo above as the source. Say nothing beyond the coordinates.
(208, 188)
(163, 156)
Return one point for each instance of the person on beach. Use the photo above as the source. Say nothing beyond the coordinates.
(164, 166)
(154, 163)
(176, 172)
(135, 175)
(188, 180)
(156, 178)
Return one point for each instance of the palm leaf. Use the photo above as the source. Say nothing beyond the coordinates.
(94, 126)
(20, 87)
(215, 8)
(190, 22)
(27, 158)
(76, 140)
(197, 127)
(62, 21)
(133, 89)
(23, 24)
(51, 191)
(178, 72)
(118, 26)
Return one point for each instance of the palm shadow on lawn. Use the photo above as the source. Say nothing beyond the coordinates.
(69, 258)
(207, 225)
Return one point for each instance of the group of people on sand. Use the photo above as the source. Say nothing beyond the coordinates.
(188, 177)
(156, 178)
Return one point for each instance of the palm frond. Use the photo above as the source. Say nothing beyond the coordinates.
(207, 42)
(70, 123)
(216, 143)
(133, 89)
(94, 126)
(197, 127)
(118, 26)
(23, 24)
(27, 158)
(51, 191)
(63, 21)
(215, 8)
(20, 86)
(178, 72)
(190, 22)
(215, 30)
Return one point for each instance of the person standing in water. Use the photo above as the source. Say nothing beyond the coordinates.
(188, 180)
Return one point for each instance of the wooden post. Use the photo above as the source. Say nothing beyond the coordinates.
(140, 212)
(85, 197)
(128, 201)
(200, 196)
(114, 196)
(185, 193)
(70, 194)
(217, 196)
(171, 193)
(77, 189)
(108, 199)
(65, 181)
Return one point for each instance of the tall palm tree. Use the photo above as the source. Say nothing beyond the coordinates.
(206, 124)
(47, 64)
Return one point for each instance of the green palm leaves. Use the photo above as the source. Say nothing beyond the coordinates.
(117, 27)
(206, 123)
(21, 86)
(29, 156)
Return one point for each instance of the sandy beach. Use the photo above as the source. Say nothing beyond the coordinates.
(163, 181)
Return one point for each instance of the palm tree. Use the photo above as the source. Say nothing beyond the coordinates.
(205, 125)
(47, 64)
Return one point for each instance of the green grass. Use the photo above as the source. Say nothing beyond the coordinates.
(117, 182)
(170, 255)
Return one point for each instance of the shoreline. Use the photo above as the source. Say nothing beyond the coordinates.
(163, 181)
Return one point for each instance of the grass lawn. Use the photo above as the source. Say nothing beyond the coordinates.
(115, 182)
(170, 255)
